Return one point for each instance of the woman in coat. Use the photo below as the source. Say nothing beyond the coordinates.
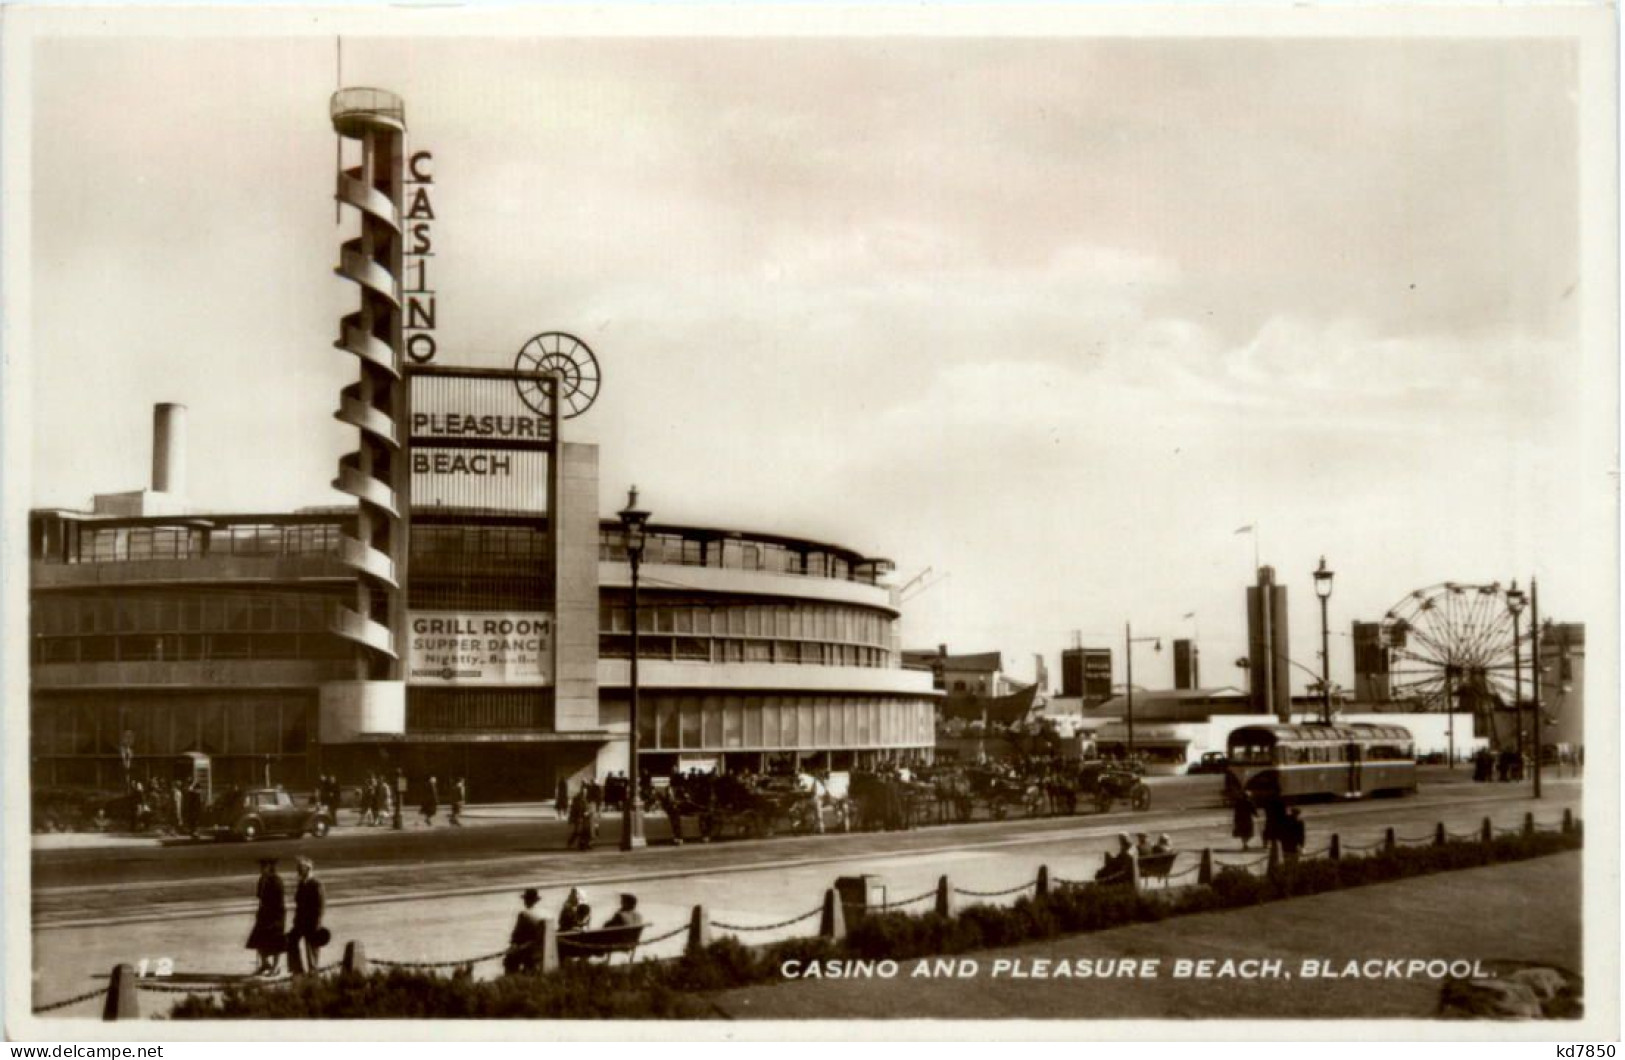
(1242, 820)
(268, 938)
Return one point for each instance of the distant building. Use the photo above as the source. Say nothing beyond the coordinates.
(1086, 674)
(1562, 682)
(1268, 647)
(978, 674)
(1187, 665)
(1370, 663)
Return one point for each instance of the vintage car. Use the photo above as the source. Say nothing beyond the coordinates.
(1212, 762)
(250, 814)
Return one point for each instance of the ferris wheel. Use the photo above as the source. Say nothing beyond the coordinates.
(1453, 643)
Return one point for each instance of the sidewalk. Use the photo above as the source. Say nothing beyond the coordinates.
(1482, 915)
(482, 814)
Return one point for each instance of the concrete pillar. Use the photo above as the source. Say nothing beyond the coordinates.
(945, 897)
(547, 945)
(1389, 842)
(832, 924)
(1041, 888)
(699, 930)
(355, 958)
(121, 1001)
(1204, 873)
(1438, 834)
(1337, 847)
(1529, 823)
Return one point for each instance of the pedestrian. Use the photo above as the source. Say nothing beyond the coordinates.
(674, 815)
(582, 826)
(459, 794)
(1294, 833)
(1242, 812)
(309, 904)
(527, 932)
(267, 937)
(177, 795)
(561, 798)
(398, 804)
(192, 808)
(431, 803)
(1274, 820)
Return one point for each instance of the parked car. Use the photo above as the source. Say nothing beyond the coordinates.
(250, 814)
(1212, 762)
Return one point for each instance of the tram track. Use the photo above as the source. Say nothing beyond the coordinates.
(64, 907)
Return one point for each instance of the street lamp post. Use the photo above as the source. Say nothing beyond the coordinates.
(1535, 664)
(1129, 640)
(633, 523)
(1515, 604)
(1323, 589)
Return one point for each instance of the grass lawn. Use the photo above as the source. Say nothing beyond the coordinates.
(1527, 911)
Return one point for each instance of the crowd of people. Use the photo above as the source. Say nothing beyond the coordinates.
(1282, 824)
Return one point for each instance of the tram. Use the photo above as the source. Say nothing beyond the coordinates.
(1298, 762)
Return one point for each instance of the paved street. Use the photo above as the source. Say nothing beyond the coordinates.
(447, 896)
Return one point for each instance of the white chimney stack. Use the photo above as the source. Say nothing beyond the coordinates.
(169, 448)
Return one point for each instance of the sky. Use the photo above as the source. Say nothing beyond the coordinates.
(1052, 316)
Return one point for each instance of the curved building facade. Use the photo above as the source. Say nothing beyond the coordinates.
(217, 633)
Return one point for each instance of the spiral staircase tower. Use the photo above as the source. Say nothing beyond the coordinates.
(376, 473)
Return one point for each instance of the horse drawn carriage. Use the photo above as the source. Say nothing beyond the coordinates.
(736, 806)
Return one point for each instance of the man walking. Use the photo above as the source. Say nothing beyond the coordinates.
(309, 904)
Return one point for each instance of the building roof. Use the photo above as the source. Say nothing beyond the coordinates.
(989, 661)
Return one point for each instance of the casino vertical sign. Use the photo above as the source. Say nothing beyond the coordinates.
(419, 296)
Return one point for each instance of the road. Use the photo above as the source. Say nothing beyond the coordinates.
(445, 896)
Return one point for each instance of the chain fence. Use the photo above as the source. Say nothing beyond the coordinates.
(100, 991)
(932, 893)
(967, 892)
(808, 915)
(440, 964)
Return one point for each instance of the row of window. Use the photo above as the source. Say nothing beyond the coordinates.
(478, 709)
(736, 722)
(1308, 754)
(216, 723)
(287, 612)
(133, 544)
(433, 542)
(190, 647)
(717, 650)
(822, 622)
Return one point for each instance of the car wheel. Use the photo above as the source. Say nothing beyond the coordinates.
(318, 828)
(251, 831)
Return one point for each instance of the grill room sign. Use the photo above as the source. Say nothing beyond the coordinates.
(480, 648)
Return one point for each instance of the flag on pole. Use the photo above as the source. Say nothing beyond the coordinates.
(1246, 529)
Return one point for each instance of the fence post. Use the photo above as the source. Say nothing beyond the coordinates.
(832, 924)
(699, 930)
(355, 958)
(1389, 842)
(547, 945)
(1041, 888)
(1568, 821)
(121, 1001)
(1204, 873)
(1336, 852)
(1529, 823)
(1487, 832)
(945, 897)
(1134, 869)
(1438, 834)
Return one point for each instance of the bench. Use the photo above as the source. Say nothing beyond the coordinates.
(599, 942)
(1152, 867)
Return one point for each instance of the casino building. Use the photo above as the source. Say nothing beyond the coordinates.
(469, 614)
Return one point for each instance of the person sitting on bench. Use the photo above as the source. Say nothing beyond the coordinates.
(1117, 865)
(576, 915)
(628, 915)
(1163, 845)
